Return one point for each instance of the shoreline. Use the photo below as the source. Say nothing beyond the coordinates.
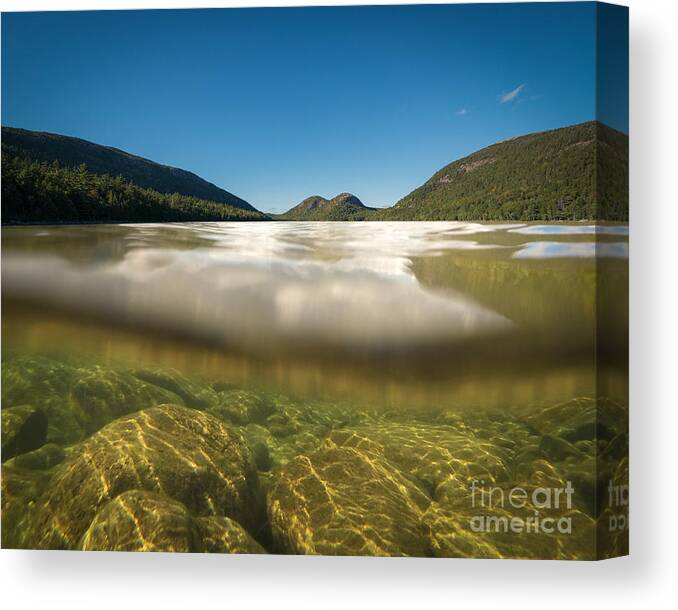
(581, 221)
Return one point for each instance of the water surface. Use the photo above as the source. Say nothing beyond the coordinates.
(361, 302)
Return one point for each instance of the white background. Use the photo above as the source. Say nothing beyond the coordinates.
(646, 579)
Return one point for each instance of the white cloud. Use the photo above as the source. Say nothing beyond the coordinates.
(511, 95)
(461, 112)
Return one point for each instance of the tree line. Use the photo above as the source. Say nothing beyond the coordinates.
(35, 192)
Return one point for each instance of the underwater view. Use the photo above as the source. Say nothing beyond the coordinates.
(427, 389)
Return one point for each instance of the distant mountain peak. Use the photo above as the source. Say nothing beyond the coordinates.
(345, 206)
(348, 198)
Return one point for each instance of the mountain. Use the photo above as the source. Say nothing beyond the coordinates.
(573, 173)
(551, 175)
(48, 193)
(73, 152)
(342, 207)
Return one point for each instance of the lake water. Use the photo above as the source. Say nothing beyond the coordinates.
(445, 350)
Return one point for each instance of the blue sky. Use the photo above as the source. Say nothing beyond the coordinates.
(275, 105)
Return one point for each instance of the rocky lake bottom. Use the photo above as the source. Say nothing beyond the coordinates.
(109, 458)
(429, 389)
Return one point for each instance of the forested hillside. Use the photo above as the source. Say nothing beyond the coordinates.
(34, 191)
(542, 176)
(73, 152)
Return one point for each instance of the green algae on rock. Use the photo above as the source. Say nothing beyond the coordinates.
(501, 532)
(101, 395)
(581, 418)
(79, 400)
(346, 502)
(43, 458)
(47, 383)
(20, 491)
(24, 428)
(140, 521)
(191, 393)
(242, 406)
(145, 521)
(432, 453)
(224, 535)
(184, 454)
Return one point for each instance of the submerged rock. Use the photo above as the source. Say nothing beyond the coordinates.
(242, 407)
(432, 453)
(24, 428)
(191, 393)
(558, 449)
(35, 380)
(140, 521)
(346, 502)
(224, 535)
(45, 383)
(144, 521)
(44, 458)
(183, 454)
(80, 400)
(272, 451)
(581, 418)
(617, 449)
(506, 532)
(20, 490)
(101, 395)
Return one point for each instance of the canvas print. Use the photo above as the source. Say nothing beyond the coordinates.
(323, 280)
